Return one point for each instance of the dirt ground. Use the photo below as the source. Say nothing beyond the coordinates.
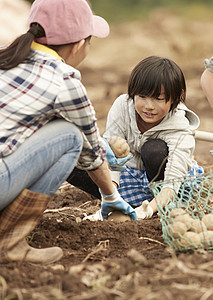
(130, 260)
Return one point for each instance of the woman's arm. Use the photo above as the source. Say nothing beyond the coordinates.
(101, 177)
(74, 105)
(207, 85)
(111, 199)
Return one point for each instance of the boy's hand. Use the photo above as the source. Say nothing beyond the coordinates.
(144, 211)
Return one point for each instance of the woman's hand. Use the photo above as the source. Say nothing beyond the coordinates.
(114, 202)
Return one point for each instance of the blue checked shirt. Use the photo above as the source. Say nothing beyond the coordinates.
(39, 90)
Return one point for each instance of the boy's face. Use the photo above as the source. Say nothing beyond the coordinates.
(152, 110)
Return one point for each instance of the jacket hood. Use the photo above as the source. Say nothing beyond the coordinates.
(189, 120)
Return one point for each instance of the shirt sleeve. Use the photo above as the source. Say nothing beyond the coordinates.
(115, 127)
(181, 148)
(115, 120)
(73, 105)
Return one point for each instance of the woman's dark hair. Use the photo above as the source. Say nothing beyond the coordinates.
(18, 51)
(153, 72)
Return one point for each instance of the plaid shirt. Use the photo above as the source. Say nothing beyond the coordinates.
(39, 90)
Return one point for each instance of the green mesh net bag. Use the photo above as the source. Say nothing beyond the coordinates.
(187, 219)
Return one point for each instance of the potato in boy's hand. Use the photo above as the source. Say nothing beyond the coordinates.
(119, 146)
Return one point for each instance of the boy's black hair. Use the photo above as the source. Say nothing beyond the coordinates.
(153, 72)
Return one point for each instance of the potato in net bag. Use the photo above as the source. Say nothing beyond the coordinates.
(187, 218)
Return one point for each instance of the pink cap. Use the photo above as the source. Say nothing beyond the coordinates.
(66, 21)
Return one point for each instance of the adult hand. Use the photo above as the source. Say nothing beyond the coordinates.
(144, 211)
(116, 164)
(114, 202)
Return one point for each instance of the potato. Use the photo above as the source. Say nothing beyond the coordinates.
(177, 229)
(176, 244)
(119, 146)
(118, 216)
(208, 221)
(197, 226)
(191, 240)
(207, 238)
(177, 212)
(185, 218)
(180, 215)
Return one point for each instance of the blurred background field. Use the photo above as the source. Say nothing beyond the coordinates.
(180, 30)
(127, 10)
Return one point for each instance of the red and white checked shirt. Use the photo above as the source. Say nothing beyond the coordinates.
(39, 90)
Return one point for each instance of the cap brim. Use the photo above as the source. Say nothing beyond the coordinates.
(100, 27)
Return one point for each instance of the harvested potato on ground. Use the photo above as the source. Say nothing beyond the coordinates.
(197, 226)
(191, 240)
(208, 221)
(118, 216)
(207, 238)
(177, 230)
(119, 146)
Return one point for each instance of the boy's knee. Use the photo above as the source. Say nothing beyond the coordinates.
(154, 147)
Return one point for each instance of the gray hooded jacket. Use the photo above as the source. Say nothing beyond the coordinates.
(176, 129)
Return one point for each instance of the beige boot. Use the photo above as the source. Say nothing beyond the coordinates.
(17, 220)
(23, 252)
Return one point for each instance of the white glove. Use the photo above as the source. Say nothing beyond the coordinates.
(95, 217)
(144, 211)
